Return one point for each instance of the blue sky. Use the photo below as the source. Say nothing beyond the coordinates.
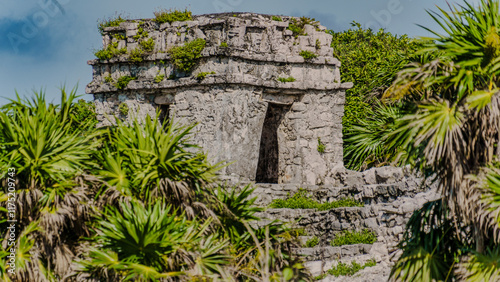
(45, 44)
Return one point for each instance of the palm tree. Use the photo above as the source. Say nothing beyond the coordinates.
(49, 159)
(451, 135)
(155, 242)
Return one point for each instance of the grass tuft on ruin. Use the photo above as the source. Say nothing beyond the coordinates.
(184, 57)
(302, 200)
(172, 15)
(346, 237)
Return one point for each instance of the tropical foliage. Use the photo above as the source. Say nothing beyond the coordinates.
(448, 128)
(134, 201)
(370, 60)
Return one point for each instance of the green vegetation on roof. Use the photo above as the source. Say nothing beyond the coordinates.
(184, 57)
(172, 15)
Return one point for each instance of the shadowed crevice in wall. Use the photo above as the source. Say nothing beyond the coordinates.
(268, 164)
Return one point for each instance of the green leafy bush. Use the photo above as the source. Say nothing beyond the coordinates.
(366, 236)
(119, 36)
(276, 18)
(302, 200)
(136, 55)
(141, 33)
(83, 115)
(123, 81)
(223, 44)
(110, 52)
(370, 60)
(297, 26)
(172, 15)
(159, 78)
(343, 269)
(113, 21)
(184, 57)
(307, 55)
(286, 79)
(148, 45)
(313, 242)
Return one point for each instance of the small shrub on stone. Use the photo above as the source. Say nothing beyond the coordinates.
(114, 21)
(123, 81)
(110, 52)
(123, 108)
(223, 44)
(119, 36)
(108, 79)
(366, 236)
(302, 200)
(201, 76)
(286, 79)
(276, 18)
(307, 55)
(343, 269)
(159, 78)
(141, 33)
(148, 45)
(321, 146)
(313, 242)
(297, 26)
(184, 57)
(136, 55)
(172, 15)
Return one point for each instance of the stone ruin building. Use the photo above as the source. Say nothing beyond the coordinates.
(270, 102)
(270, 130)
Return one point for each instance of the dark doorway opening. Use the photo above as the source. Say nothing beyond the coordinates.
(164, 109)
(268, 165)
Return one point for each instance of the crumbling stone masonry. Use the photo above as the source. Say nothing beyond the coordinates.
(270, 130)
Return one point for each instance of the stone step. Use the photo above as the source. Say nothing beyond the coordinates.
(333, 253)
(319, 267)
(368, 194)
(361, 253)
(377, 273)
(324, 224)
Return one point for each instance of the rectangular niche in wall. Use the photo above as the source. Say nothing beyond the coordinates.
(164, 113)
(268, 165)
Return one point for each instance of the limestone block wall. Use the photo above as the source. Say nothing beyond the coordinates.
(269, 130)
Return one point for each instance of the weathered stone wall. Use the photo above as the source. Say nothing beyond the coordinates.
(390, 196)
(236, 106)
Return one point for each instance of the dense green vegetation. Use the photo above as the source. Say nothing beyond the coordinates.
(123, 81)
(444, 120)
(302, 200)
(112, 21)
(131, 202)
(346, 237)
(110, 52)
(370, 60)
(184, 57)
(172, 15)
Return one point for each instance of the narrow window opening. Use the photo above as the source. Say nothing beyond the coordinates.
(164, 113)
(268, 164)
